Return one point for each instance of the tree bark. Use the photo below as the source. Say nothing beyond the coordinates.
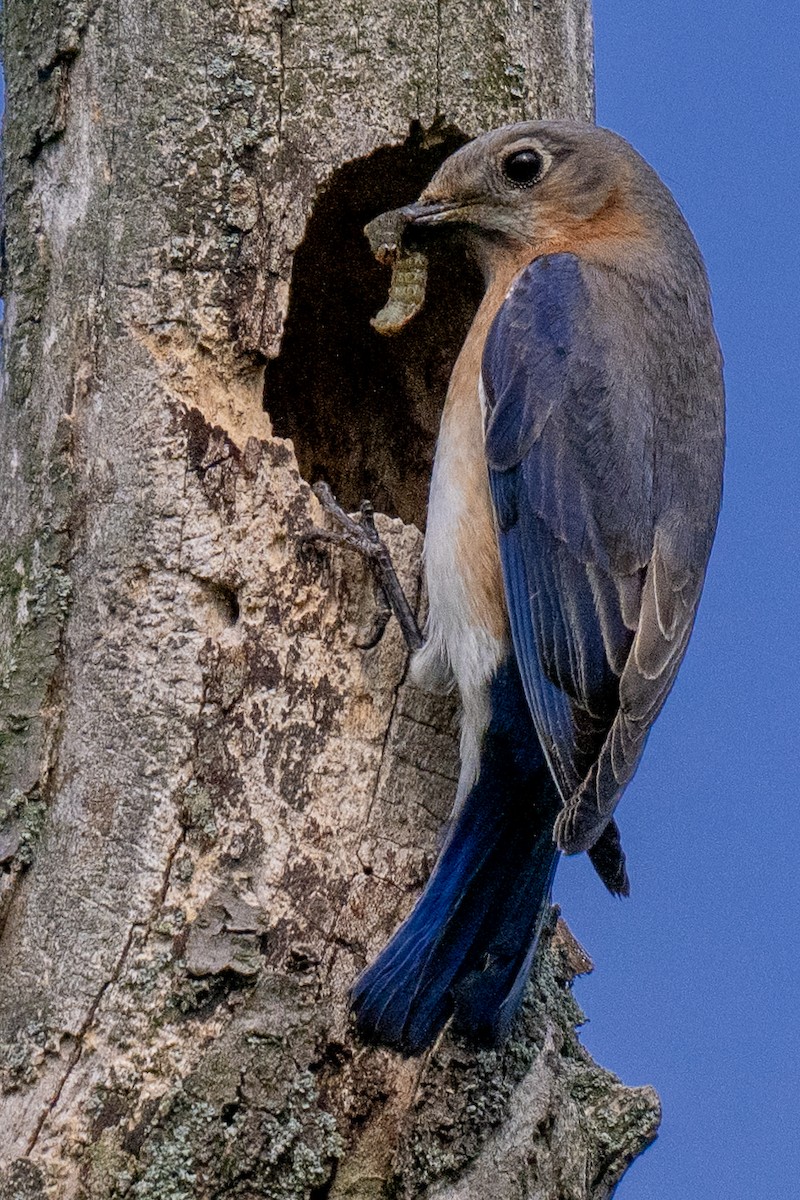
(219, 796)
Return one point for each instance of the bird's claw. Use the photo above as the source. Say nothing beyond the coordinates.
(362, 536)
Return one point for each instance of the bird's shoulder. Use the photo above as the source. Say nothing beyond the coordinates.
(603, 410)
(588, 340)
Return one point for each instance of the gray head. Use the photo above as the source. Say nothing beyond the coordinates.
(548, 186)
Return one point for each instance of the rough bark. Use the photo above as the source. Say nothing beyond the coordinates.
(218, 794)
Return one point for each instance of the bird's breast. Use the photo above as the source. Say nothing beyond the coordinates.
(467, 612)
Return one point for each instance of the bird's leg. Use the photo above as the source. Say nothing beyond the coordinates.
(363, 537)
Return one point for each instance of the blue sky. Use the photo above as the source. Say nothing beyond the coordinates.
(697, 979)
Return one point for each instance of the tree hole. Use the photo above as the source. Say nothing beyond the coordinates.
(363, 409)
(223, 602)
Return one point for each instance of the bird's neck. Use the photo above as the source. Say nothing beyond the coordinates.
(499, 262)
(616, 234)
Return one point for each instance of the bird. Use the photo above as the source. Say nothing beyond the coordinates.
(573, 503)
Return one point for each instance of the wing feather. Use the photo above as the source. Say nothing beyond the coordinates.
(601, 591)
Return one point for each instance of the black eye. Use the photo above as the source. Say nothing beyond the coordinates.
(523, 168)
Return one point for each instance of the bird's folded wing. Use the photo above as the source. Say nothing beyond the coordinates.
(599, 605)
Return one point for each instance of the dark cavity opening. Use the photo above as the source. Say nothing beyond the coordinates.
(363, 409)
(223, 600)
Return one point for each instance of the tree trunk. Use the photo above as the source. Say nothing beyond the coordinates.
(218, 794)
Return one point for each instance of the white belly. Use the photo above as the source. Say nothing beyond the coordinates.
(460, 645)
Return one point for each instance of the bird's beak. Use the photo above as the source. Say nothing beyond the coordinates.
(431, 214)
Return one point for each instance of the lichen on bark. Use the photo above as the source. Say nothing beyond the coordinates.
(219, 791)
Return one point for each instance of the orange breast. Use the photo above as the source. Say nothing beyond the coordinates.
(462, 428)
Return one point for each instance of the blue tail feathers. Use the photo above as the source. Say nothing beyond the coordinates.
(467, 947)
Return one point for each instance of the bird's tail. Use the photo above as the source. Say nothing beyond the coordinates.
(467, 947)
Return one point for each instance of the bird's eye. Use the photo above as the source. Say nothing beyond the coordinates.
(523, 168)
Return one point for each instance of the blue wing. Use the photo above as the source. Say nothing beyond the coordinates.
(602, 580)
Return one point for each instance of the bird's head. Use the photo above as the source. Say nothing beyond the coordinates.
(542, 186)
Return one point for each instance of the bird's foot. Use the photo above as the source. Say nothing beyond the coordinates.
(362, 536)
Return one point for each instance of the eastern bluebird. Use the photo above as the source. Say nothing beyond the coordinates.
(573, 504)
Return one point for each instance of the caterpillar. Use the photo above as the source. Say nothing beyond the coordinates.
(409, 271)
